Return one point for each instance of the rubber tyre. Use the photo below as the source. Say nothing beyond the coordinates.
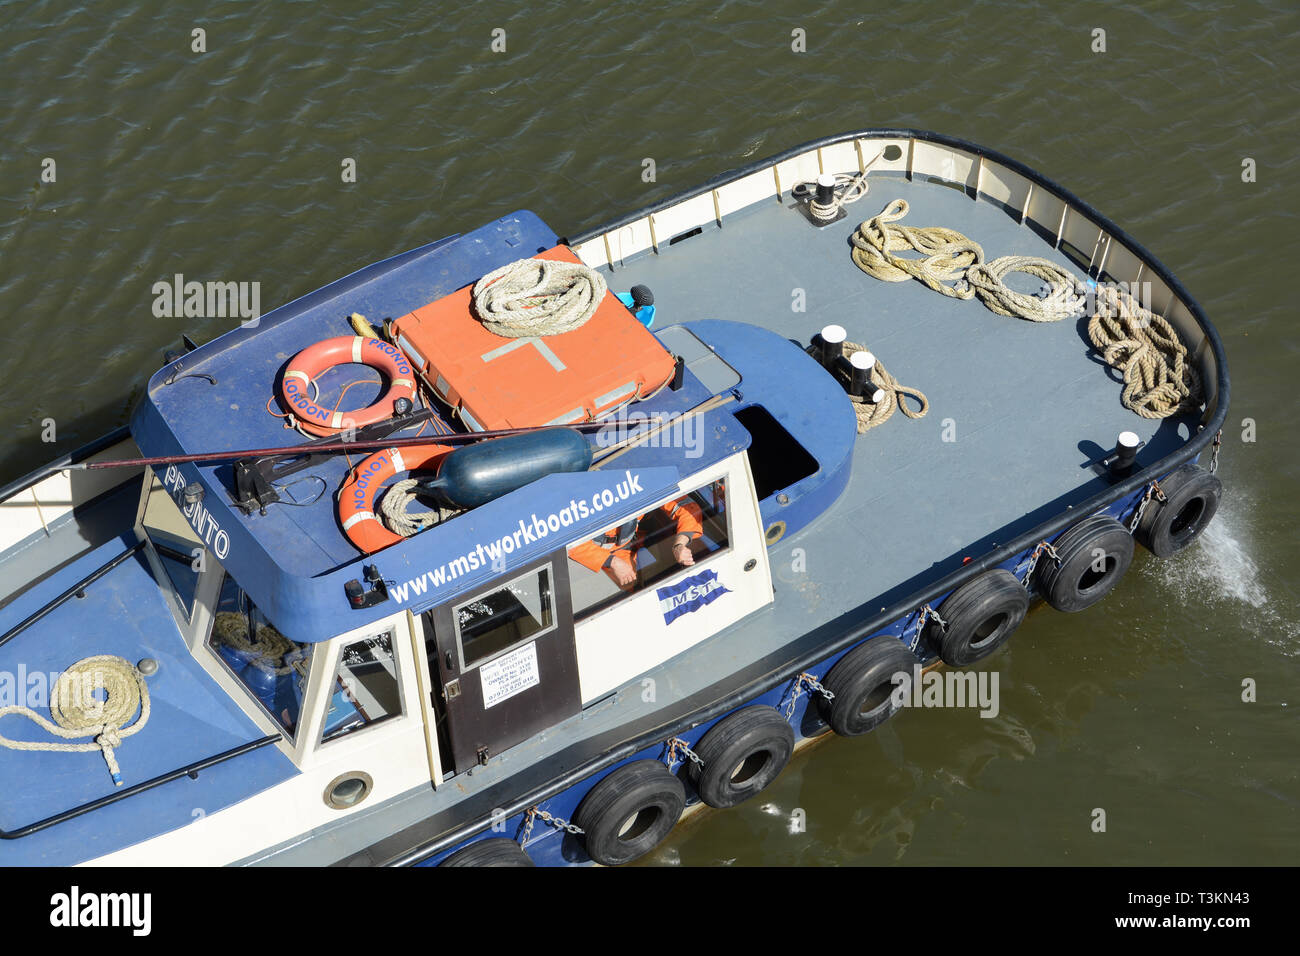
(1077, 584)
(742, 754)
(628, 814)
(981, 616)
(863, 685)
(494, 851)
(1192, 497)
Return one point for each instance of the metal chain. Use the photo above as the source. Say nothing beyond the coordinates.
(1214, 455)
(1044, 547)
(676, 745)
(928, 612)
(1153, 490)
(813, 685)
(558, 822)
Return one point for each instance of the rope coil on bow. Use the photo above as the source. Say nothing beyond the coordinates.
(946, 253)
(78, 710)
(538, 297)
(1158, 379)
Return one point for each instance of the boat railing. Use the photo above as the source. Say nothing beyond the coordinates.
(35, 502)
(1096, 245)
(189, 770)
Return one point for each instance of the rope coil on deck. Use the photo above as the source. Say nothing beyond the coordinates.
(392, 508)
(538, 297)
(1158, 379)
(77, 711)
(947, 254)
(896, 394)
(988, 281)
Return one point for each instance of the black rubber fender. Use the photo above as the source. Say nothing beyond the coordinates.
(1192, 497)
(1094, 555)
(494, 851)
(742, 754)
(629, 812)
(979, 617)
(863, 684)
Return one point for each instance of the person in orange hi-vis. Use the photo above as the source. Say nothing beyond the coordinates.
(614, 552)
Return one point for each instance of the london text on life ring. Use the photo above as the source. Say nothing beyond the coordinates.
(325, 354)
(357, 496)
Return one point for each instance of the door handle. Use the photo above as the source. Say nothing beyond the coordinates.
(447, 658)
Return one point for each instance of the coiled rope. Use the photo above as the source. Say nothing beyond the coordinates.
(267, 652)
(947, 254)
(78, 711)
(538, 297)
(987, 279)
(392, 508)
(848, 189)
(1158, 379)
(870, 415)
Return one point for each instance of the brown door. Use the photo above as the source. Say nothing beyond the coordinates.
(505, 661)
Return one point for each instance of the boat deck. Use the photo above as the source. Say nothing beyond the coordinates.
(1026, 405)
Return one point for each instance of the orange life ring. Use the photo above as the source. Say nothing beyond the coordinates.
(358, 494)
(325, 354)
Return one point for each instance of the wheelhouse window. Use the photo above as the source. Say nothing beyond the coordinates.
(646, 549)
(365, 689)
(272, 667)
(178, 548)
(516, 611)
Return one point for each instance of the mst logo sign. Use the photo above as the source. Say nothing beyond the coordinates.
(690, 594)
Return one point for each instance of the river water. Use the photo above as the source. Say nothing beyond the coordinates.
(227, 165)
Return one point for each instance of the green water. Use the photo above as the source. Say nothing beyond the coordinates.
(226, 165)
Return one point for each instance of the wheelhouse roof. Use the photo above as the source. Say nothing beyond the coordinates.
(294, 560)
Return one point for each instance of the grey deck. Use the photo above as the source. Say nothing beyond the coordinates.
(1028, 403)
(1026, 400)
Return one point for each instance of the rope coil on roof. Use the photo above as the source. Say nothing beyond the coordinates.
(538, 297)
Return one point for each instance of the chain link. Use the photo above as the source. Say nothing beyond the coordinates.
(1044, 547)
(927, 613)
(1214, 455)
(676, 745)
(558, 822)
(813, 685)
(1153, 491)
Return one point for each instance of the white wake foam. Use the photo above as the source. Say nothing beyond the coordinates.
(1221, 572)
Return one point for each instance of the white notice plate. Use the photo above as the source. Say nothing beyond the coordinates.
(509, 674)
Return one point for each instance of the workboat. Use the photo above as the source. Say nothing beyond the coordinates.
(516, 547)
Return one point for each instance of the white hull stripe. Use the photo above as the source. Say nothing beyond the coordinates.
(359, 516)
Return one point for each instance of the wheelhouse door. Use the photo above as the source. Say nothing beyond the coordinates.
(505, 661)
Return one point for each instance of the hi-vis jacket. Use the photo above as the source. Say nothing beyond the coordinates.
(621, 541)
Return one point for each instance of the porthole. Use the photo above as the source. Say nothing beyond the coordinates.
(347, 790)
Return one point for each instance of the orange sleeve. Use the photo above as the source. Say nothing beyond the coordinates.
(590, 555)
(688, 516)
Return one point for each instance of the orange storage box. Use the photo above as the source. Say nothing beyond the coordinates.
(498, 382)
